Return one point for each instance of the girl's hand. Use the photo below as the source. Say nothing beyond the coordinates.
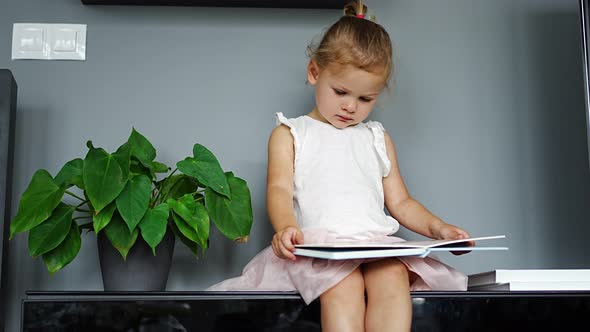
(284, 241)
(450, 232)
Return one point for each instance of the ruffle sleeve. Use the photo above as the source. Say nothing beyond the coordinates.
(281, 119)
(379, 144)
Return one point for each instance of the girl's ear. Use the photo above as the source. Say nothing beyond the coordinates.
(313, 71)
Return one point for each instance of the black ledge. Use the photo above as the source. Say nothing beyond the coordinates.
(318, 4)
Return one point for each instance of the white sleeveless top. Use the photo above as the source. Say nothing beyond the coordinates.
(338, 176)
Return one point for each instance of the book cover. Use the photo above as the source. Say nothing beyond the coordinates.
(396, 245)
(354, 250)
(501, 276)
(356, 254)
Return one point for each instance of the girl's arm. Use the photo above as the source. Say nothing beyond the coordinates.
(279, 193)
(409, 212)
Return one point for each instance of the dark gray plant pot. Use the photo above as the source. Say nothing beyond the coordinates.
(142, 271)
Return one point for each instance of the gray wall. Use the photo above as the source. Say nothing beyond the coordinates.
(487, 112)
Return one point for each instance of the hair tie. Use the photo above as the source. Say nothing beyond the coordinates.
(360, 15)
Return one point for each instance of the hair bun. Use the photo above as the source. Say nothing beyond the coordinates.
(355, 8)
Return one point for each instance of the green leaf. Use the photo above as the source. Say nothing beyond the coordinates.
(195, 215)
(123, 157)
(49, 234)
(119, 235)
(153, 225)
(206, 169)
(37, 202)
(137, 168)
(158, 167)
(133, 201)
(141, 148)
(71, 174)
(104, 178)
(149, 170)
(203, 225)
(232, 217)
(177, 186)
(102, 219)
(65, 252)
(186, 208)
(193, 246)
(185, 228)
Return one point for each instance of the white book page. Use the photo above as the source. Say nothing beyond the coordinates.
(392, 245)
(440, 243)
(356, 254)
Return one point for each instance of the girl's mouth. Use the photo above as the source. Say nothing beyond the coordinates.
(343, 118)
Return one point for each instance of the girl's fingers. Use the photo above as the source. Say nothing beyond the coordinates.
(276, 249)
(287, 254)
(279, 248)
(298, 237)
(283, 242)
(286, 241)
(464, 235)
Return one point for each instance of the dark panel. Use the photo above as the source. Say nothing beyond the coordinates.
(585, 41)
(275, 311)
(8, 91)
(334, 4)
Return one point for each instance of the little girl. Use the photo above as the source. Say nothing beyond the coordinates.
(330, 175)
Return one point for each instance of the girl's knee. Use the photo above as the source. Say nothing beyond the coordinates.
(386, 277)
(350, 287)
(392, 269)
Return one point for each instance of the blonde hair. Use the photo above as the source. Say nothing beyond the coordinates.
(356, 41)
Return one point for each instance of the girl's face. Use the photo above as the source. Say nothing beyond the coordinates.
(345, 95)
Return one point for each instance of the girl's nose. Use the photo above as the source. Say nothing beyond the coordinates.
(350, 105)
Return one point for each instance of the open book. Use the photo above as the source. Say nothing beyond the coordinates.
(353, 250)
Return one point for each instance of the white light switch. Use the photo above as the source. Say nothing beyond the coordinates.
(49, 41)
(29, 41)
(65, 41)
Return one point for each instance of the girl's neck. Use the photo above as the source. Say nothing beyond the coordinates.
(315, 114)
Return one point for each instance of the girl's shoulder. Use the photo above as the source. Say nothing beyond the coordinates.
(375, 125)
(290, 131)
(289, 122)
(296, 126)
(380, 137)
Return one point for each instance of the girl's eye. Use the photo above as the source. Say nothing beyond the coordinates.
(365, 99)
(339, 92)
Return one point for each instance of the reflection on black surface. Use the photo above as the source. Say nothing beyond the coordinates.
(196, 315)
(432, 313)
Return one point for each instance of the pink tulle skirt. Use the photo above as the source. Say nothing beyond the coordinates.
(311, 277)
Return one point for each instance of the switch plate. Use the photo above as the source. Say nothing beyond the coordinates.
(64, 41)
(67, 41)
(29, 41)
(49, 41)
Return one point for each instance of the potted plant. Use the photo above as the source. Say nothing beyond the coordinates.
(131, 200)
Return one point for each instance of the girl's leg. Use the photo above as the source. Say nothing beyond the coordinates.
(343, 306)
(389, 305)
